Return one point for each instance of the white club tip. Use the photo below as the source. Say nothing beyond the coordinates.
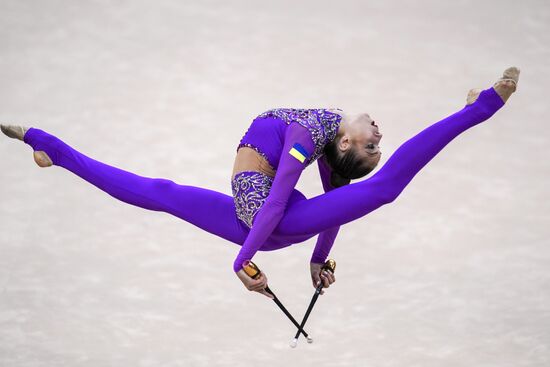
(309, 340)
(293, 343)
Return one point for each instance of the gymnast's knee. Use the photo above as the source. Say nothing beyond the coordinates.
(162, 184)
(389, 195)
(385, 187)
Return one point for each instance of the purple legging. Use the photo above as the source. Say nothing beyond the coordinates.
(304, 218)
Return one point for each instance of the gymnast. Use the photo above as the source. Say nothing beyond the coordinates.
(266, 212)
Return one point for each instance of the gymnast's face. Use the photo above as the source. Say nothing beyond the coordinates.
(355, 151)
(365, 139)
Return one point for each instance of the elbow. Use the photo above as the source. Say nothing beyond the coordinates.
(388, 197)
(390, 194)
(388, 191)
(386, 187)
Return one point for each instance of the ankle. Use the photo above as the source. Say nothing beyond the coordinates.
(505, 88)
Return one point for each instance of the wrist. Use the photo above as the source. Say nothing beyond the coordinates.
(237, 266)
(316, 259)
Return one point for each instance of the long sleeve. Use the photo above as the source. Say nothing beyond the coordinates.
(325, 240)
(298, 146)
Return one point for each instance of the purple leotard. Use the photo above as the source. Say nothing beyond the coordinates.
(288, 217)
(274, 134)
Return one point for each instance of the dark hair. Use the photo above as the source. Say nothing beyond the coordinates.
(345, 166)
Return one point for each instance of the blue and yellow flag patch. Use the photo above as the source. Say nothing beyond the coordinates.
(299, 152)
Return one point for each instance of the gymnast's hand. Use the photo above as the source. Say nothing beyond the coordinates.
(317, 276)
(254, 285)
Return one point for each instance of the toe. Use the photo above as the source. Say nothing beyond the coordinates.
(511, 73)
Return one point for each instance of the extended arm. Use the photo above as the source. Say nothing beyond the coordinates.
(297, 145)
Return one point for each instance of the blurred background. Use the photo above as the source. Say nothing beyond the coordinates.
(455, 272)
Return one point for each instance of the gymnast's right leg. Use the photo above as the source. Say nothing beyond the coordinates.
(347, 203)
(207, 209)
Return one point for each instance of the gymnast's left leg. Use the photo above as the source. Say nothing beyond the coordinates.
(347, 203)
(207, 209)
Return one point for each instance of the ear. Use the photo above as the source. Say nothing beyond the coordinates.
(345, 143)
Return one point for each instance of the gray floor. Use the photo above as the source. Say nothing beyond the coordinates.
(454, 273)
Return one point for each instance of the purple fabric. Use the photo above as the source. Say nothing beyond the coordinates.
(321, 123)
(301, 218)
(250, 191)
(207, 209)
(326, 238)
(266, 136)
(289, 170)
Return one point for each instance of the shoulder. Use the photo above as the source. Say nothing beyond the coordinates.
(337, 111)
(328, 116)
(321, 124)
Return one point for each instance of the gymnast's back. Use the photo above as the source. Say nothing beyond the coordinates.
(265, 137)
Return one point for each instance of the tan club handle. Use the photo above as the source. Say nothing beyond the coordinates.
(330, 265)
(251, 269)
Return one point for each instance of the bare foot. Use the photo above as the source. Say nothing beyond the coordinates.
(504, 87)
(18, 132)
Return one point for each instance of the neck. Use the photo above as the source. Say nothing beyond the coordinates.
(344, 126)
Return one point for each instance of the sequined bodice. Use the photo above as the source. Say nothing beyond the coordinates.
(321, 123)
